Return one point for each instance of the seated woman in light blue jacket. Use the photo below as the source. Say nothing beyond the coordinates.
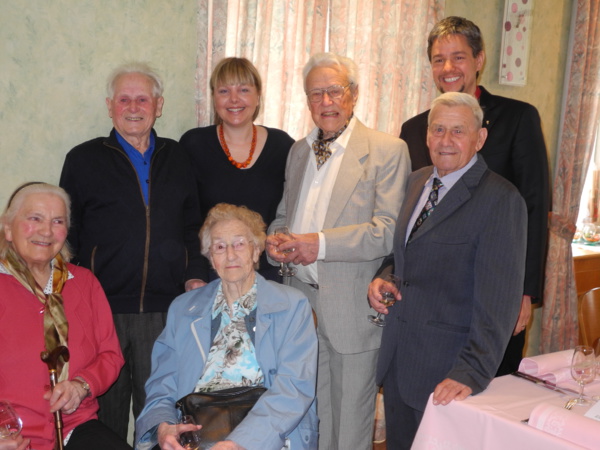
(265, 329)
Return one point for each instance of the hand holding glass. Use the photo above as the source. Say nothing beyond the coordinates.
(388, 298)
(583, 369)
(190, 440)
(10, 422)
(285, 270)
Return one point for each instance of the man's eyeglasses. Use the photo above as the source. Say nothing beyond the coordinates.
(238, 245)
(334, 92)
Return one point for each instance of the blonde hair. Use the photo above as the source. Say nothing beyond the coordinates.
(235, 71)
(15, 202)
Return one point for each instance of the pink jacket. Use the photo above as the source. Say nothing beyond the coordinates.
(93, 345)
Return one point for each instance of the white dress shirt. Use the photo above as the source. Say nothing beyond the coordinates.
(315, 194)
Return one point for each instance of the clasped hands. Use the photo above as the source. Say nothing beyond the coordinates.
(168, 437)
(302, 249)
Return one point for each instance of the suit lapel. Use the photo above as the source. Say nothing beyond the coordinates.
(295, 173)
(488, 105)
(410, 201)
(454, 199)
(351, 170)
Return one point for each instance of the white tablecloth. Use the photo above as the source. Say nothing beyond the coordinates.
(492, 419)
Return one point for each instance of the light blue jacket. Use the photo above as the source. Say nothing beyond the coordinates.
(286, 349)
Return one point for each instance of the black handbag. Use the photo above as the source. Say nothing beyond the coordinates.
(219, 412)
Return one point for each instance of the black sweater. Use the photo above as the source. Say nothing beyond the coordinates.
(141, 254)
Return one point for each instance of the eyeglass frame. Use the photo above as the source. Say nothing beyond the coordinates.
(244, 242)
(324, 91)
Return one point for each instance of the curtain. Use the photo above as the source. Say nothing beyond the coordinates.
(387, 39)
(578, 131)
(278, 37)
(388, 42)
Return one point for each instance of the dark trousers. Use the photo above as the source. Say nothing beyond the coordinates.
(401, 421)
(512, 355)
(137, 333)
(94, 435)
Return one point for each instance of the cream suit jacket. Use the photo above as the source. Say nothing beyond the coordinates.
(359, 229)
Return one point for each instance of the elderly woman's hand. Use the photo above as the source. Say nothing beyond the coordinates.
(227, 445)
(16, 443)
(168, 435)
(67, 396)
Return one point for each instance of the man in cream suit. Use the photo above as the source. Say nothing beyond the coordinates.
(459, 250)
(344, 187)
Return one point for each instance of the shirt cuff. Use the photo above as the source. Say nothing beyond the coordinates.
(321, 255)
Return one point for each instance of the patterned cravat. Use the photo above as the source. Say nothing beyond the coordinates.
(429, 206)
(321, 146)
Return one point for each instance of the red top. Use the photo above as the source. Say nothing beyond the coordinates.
(93, 345)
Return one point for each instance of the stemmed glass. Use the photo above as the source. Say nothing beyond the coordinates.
(597, 354)
(285, 270)
(190, 440)
(10, 422)
(388, 298)
(583, 369)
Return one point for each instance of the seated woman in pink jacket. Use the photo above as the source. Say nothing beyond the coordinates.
(47, 303)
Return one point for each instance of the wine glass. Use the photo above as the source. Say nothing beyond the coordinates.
(597, 354)
(190, 440)
(590, 233)
(10, 423)
(285, 270)
(583, 369)
(388, 298)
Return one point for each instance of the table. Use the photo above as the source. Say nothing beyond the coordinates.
(586, 267)
(492, 419)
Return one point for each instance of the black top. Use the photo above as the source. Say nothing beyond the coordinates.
(259, 187)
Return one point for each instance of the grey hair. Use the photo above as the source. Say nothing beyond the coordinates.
(135, 67)
(17, 199)
(329, 59)
(223, 212)
(453, 99)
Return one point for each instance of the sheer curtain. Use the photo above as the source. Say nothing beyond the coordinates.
(387, 39)
(579, 129)
(278, 37)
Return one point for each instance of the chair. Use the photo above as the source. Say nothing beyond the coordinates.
(589, 316)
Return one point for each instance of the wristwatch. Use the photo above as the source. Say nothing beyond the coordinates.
(83, 384)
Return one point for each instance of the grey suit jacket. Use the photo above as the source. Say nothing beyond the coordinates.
(462, 283)
(359, 228)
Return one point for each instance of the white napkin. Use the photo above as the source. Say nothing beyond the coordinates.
(566, 424)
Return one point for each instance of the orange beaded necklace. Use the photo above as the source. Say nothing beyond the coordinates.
(228, 153)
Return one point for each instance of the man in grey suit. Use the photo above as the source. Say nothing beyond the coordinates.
(344, 187)
(459, 249)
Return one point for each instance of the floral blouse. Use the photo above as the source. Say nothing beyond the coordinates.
(231, 360)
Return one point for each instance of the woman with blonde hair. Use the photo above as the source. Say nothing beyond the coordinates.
(236, 161)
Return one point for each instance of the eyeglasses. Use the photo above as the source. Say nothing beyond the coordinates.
(238, 246)
(334, 92)
(440, 130)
